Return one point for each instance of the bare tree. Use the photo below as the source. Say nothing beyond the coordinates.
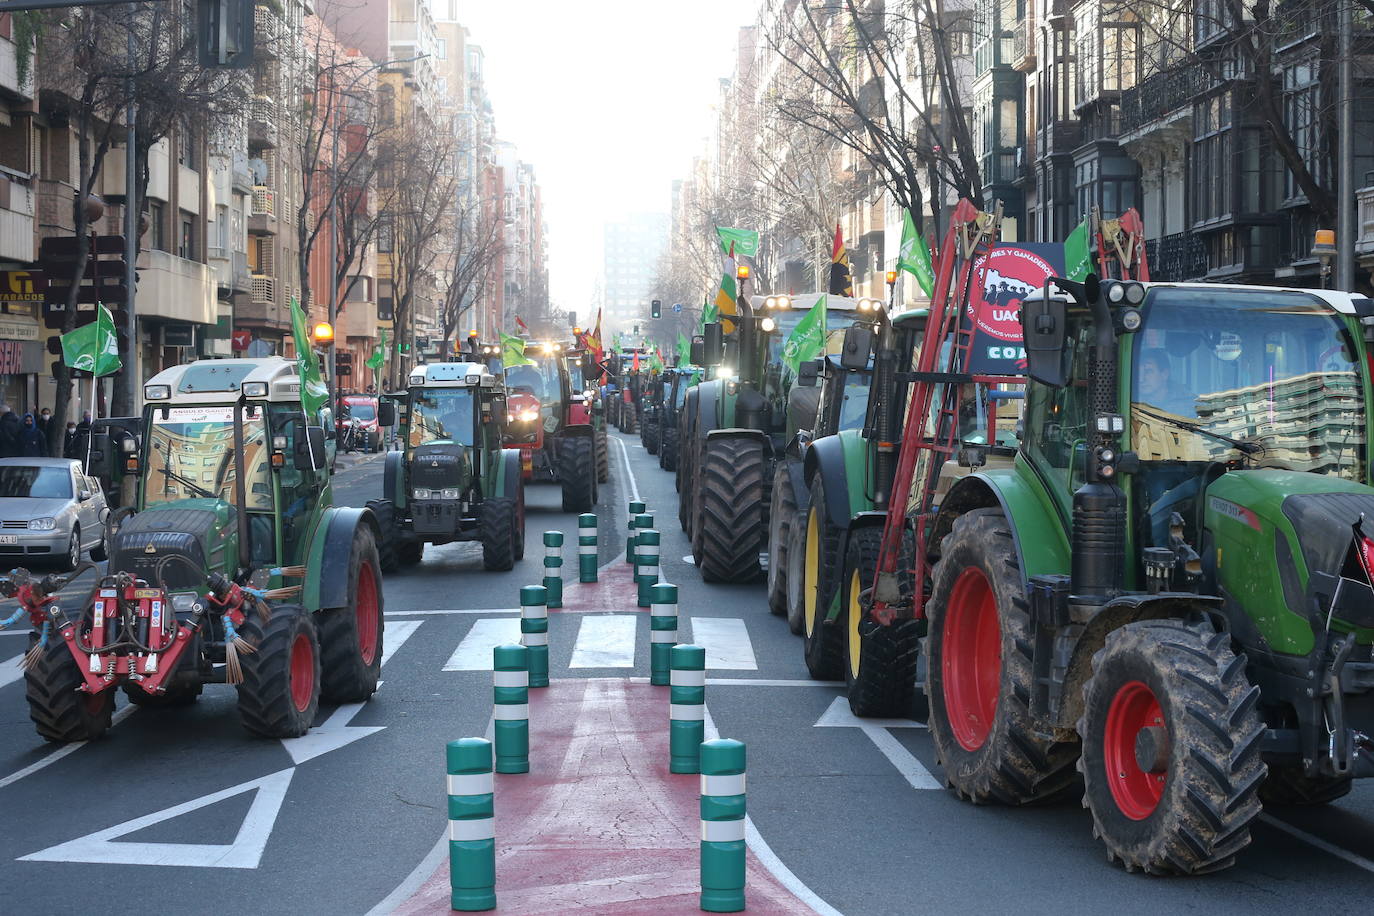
(478, 244)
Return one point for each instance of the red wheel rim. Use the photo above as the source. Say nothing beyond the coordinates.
(971, 659)
(365, 607)
(302, 672)
(1136, 791)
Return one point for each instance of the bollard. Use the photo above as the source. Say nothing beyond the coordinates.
(471, 825)
(586, 547)
(553, 568)
(646, 565)
(534, 632)
(722, 825)
(662, 632)
(636, 508)
(687, 708)
(510, 677)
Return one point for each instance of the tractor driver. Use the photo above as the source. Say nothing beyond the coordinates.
(456, 421)
(1155, 388)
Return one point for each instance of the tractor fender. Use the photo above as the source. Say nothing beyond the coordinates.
(796, 472)
(1039, 536)
(393, 478)
(825, 460)
(709, 407)
(509, 473)
(326, 581)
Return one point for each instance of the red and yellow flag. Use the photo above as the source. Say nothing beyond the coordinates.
(841, 281)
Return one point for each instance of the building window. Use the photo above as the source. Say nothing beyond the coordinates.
(1211, 158)
(384, 236)
(157, 224)
(186, 147)
(186, 239)
(1300, 113)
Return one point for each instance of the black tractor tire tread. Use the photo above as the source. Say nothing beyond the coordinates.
(497, 525)
(823, 649)
(264, 697)
(577, 473)
(1213, 792)
(345, 677)
(60, 712)
(732, 523)
(409, 553)
(885, 684)
(603, 457)
(649, 436)
(385, 514)
(1021, 762)
(667, 455)
(782, 515)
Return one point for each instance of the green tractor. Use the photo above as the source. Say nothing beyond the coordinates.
(735, 426)
(675, 383)
(1168, 595)
(232, 567)
(451, 479)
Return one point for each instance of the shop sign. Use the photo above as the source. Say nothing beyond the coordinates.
(22, 285)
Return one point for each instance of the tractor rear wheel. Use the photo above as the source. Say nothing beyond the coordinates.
(732, 524)
(500, 518)
(351, 636)
(822, 643)
(667, 455)
(1171, 761)
(280, 693)
(385, 514)
(650, 436)
(782, 515)
(60, 712)
(181, 695)
(978, 672)
(577, 473)
(1289, 785)
(880, 661)
(410, 553)
(603, 457)
(796, 574)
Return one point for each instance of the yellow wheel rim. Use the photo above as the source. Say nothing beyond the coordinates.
(812, 570)
(853, 612)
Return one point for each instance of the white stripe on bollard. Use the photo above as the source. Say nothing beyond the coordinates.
(471, 784)
(535, 612)
(687, 712)
(679, 678)
(731, 784)
(535, 639)
(668, 636)
(510, 679)
(663, 610)
(510, 712)
(722, 831)
(477, 829)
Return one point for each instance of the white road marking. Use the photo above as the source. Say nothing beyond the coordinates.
(245, 852)
(634, 484)
(10, 670)
(763, 682)
(330, 735)
(605, 641)
(911, 769)
(494, 610)
(1346, 855)
(474, 652)
(726, 640)
(394, 635)
(119, 716)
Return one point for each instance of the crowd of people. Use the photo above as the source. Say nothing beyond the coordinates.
(27, 436)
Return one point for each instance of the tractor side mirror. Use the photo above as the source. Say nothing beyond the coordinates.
(697, 354)
(808, 373)
(713, 344)
(858, 344)
(386, 413)
(102, 449)
(1043, 330)
(310, 453)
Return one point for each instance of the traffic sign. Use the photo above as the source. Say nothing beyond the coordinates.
(677, 308)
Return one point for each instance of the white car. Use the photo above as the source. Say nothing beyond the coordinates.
(50, 510)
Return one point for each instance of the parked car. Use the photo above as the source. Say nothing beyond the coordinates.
(363, 408)
(50, 510)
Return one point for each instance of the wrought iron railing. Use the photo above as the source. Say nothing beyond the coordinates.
(1177, 257)
(1160, 95)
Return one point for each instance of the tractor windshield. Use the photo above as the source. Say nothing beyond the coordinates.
(836, 321)
(540, 379)
(1221, 374)
(442, 415)
(191, 455)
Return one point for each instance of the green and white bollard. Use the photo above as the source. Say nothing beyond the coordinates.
(687, 708)
(662, 632)
(510, 677)
(646, 565)
(586, 547)
(722, 825)
(553, 568)
(534, 631)
(636, 509)
(471, 825)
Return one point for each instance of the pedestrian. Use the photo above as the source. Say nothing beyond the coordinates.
(69, 441)
(11, 446)
(44, 419)
(32, 442)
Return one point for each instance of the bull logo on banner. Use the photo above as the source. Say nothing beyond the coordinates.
(1002, 278)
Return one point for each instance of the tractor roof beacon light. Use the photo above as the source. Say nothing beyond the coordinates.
(742, 272)
(891, 277)
(324, 333)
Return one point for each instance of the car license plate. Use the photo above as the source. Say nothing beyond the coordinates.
(9, 539)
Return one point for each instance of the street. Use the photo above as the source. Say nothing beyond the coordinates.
(851, 815)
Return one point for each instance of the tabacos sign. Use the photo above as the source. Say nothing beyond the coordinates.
(1002, 278)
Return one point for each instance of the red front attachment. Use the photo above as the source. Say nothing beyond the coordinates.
(136, 623)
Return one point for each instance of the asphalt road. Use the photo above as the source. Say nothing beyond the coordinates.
(335, 822)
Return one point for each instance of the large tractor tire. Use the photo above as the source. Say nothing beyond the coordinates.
(280, 693)
(385, 514)
(577, 473)
(781, 517)
(667, 453)
(978, 673)
(796, 574)
(59, 711)
(410, 553)
(499, 523)
(732, 524)
(1171, 761)
(651, 439)
(603, 457)
(351, 636)
(822, 643)
(880, 661)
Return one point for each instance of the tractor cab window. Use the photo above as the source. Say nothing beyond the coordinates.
(1056, 427)
(190, 455)
(442, 415)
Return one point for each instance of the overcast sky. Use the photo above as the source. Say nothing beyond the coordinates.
(609, 100)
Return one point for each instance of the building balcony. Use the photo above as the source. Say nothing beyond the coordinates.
(231, 270)
(16, 217)
(176, 289)
(1364, 222)
(1059, 138)
(263, 219)
(1023, 46)
(262, 290)
(268, 33)
(1161, 99)
(1176, 258)
(9, 70)
(262, 122)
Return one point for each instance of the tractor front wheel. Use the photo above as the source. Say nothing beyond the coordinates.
(603, 457)
(978, 672)
(351, 636)
(822, 642)
(1171, 761)
(385, 513)
(731, 511)
(667, 454)
(410, 553)
(280, 693)
(649, 436)
(781, 517)
(880, 661)
(577, 473)
(60, 712)
(498, 524)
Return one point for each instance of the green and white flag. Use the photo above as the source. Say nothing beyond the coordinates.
(378, 357)
(684, 350)
(807, 340)
(513, 351)
(314, 392)
(94, 347)
(743, 241)
(1077, 260)
(915, 256)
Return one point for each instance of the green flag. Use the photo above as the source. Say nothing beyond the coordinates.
(513, 351)
(684, 350)
(807, 340)
(655, 361)
(377, 360)
(915, 256)
(314, 392)
(745, 241)
(1077, 261)
(709, 313)
(94, 347)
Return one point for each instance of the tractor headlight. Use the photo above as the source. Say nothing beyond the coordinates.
(450, 493)
(1130, 319)
(423, 493)
(42, 524)
(254, 389)
(768, 325)
(417, 378)
(1135, 293)
(157, 392)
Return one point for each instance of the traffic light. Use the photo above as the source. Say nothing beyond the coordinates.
(656, 308)
(343, 363)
